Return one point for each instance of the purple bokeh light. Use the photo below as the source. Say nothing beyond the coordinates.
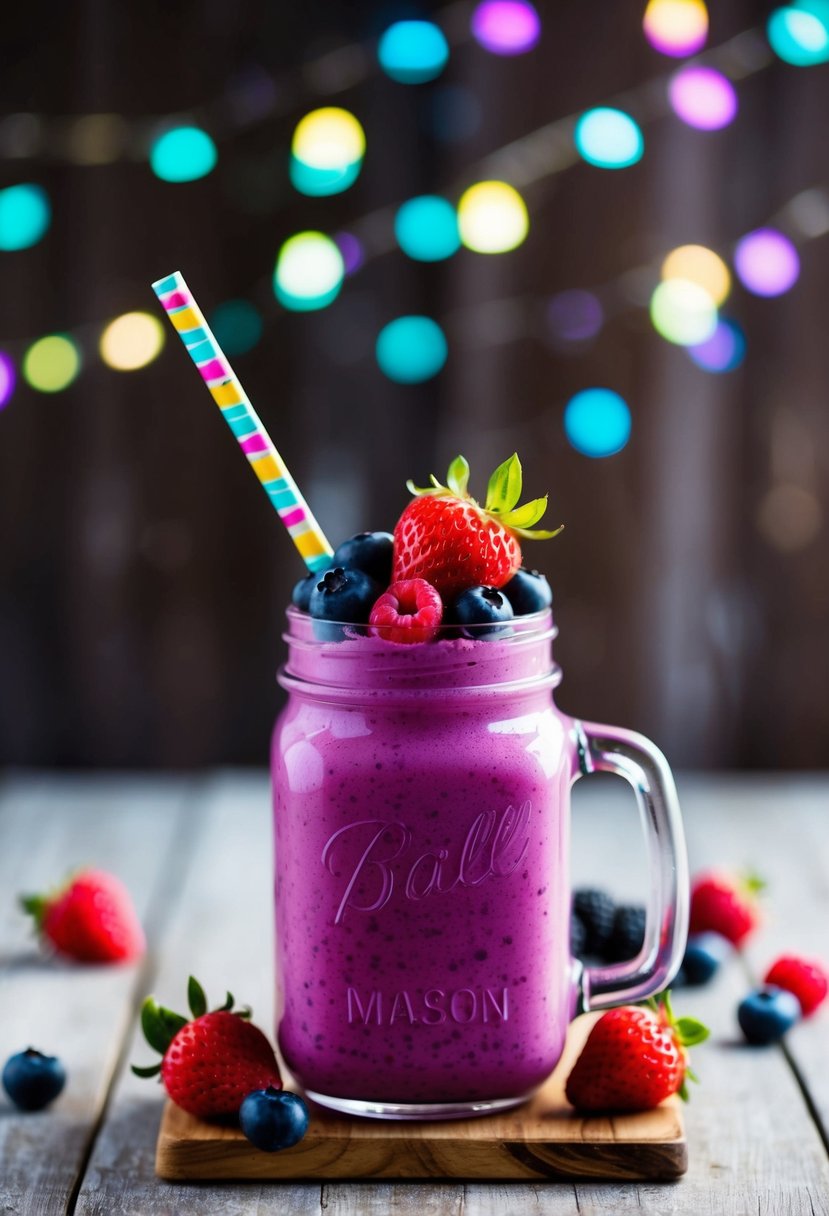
(352, 251)
(574, 316)
(702, 98)
(766, 262)
(723, 351)
(7, 379)
(506, 27)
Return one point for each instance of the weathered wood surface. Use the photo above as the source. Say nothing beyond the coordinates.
(198, 861)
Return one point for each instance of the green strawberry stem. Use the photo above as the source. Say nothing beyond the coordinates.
(161, 1025)
(35, 906)
(687, 1031)
(502, 495)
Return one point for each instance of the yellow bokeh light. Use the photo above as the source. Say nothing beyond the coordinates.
(131, 341)
(329, 138)
(492, 218)
(696, 264)
(676, 27)
(51, 363)
(683, 312)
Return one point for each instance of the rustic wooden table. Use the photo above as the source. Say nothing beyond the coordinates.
(196, 854)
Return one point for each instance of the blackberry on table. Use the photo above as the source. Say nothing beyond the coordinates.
(578, 935)
(628, 933)
(596, 910)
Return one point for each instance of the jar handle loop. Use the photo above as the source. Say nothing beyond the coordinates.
(611, 749)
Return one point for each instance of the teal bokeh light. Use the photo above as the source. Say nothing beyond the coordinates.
(237, 326)
(609, 138)
(25, 215)
(413, 51)
(799, 32)
(597, 422)
(411, 349)
(318, 183)
(183, 154)
(427, 228)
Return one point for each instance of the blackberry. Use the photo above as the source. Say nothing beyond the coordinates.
(578, 935)
(596, 909)
(628, 933)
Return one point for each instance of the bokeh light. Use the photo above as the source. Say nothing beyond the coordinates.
(699, 265)
(506, 27)
(683, 312)
(724, 351)
(7, 379)
(426, 228)
(676, 27)
(25, 215)
(492, 218)
(597, 422)
(352, 251)
(413, 51)
(309, 272)
(702, 97)
(766, 262)
(789, 517)
(609, 138)
(799, 32)
(183, 154)
(412, 349)
(131, 341)
(237, 326)
(327, 151)
(51, 363)
(574, 316)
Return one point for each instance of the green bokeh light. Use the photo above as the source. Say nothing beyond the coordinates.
(309, 272)
(51, 363)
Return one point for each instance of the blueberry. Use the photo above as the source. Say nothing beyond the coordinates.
(301, 594)
(597, 911)
(484, 607)
(627, 934)
(369, 552)
(33, 1080)
(703, 956)
(273, 1119)
(528, 591)
(343, 595)
(767, 1013)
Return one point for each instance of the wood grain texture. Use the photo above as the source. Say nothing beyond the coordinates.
(541, 1139)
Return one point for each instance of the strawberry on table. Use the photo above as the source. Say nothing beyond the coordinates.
(447, 538)
(634, 1058)
(725, 904)
(211, 1063)
(91, 919)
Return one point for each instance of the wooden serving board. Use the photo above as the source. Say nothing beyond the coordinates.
(543, 1138)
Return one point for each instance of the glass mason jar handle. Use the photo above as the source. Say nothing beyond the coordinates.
(610, 749)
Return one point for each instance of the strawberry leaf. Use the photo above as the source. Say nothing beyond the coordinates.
(689, 1031)
(457, 479)
(422, 491)
(152, 1071)
(535, 533)
(160, 1025)
(526, 516)
(196, 998)
(36, 906)
(228, 1005)
(504, 487)
(754, 884)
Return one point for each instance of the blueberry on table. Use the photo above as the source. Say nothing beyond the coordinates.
(273, 1119)
(301, 594)
(33, 1080)
(627, 934)
(528, 591)
(370, 552)
(597, 911)
(703, 956)
(343, 595)
(484, 607)
(767, 1013)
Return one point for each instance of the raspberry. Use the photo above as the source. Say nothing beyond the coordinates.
(805, 978)
(725, 905)
(410, 611)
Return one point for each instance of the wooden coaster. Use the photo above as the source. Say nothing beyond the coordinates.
(544, 1138)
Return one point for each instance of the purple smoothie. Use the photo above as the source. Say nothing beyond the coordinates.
(422, 843)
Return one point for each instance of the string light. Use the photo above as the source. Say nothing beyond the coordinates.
(309, 272)
(492, 218)
(51, 363)
(702, 97)
(411, 349)
(25, 215)
(699, 265)
(183, 154)
(676, 27)
(799, 33)
(426, 228)
(683, 312)
(597, 422)
(353, 253)
(131, 341)
(609, 138)
(506, 27)
(7, 379)
(723, 351)
(327, 151)
(789, 517)
(766, 262)
(413, 52)
(237, 326)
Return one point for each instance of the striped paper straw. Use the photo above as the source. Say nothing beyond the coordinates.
(189, 322)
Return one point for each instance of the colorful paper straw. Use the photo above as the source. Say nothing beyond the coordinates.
(189, 322)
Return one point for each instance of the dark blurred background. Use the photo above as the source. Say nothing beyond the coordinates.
(144, 575)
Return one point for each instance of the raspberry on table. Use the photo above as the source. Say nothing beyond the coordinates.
(805, 978)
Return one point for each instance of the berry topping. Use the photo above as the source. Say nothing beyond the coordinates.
(91, 919)
(805, 978)
(367, 551)
(766, 1014)
(446, 537)
(633, 1059)
(33, 1080)
(273, 1119)
(597, 911)
(704, 954)
(211, 1063)
(528, 591)
(485, 607)
(627, 934)
(410, 611)
(301, 594)
(725, 904)
(343, 595)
